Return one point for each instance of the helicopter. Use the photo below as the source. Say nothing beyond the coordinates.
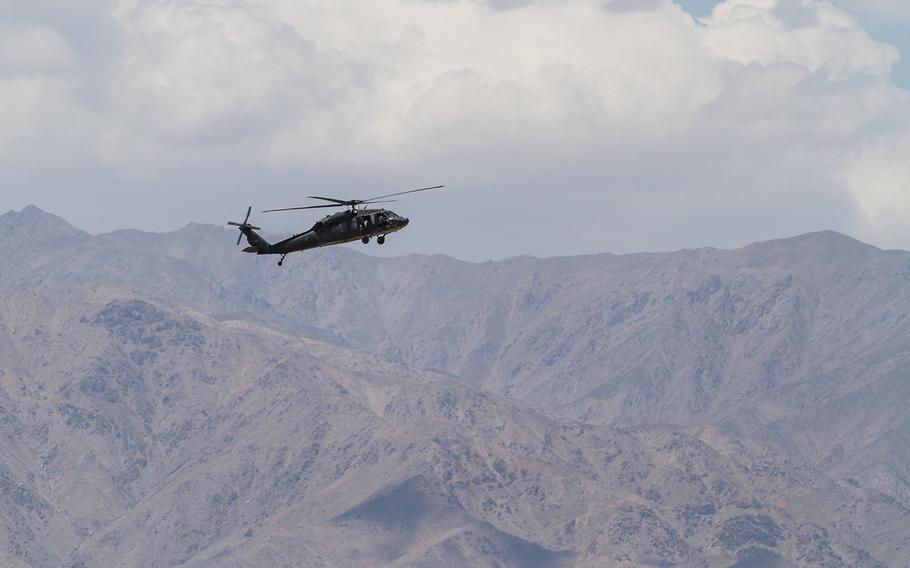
(347, 226)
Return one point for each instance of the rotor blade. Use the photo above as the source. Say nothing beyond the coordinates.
(383, 201)
(248, 211)
(333, 200)
(403, 192)
(232, 223)
(309, 207)
(240, 236)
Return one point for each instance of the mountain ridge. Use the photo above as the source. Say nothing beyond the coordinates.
(31, 213)
(778, 369)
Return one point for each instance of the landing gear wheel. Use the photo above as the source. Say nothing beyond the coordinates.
(365, 240)
(281, 260)
(380, 240)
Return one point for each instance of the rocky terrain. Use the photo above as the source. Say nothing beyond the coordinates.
(168, 401)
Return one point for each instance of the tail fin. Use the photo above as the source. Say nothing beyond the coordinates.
(257, 243)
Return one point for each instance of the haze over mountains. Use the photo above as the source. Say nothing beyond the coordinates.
(168, 401)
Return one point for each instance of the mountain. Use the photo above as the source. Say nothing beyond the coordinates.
(800, 343)
(166, 397)
(143, 434)
(34, 226)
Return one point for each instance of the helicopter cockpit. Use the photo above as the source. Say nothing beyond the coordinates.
(384, 217)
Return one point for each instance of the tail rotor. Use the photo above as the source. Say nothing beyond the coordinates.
(245, 226)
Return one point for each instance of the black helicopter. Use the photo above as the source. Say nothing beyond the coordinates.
(342, 227)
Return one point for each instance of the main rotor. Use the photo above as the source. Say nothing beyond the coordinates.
(354, 204)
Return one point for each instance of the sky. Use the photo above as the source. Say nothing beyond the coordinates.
(558, 126)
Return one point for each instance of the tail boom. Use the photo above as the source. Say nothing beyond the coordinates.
(258, 245)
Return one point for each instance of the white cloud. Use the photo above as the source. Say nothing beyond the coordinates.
(884, 11)
(442, 73)
(28, 48)
(217, 70)
(37, 94)
(33, 60)
(878, 177)
(761, 119)
(817, 37)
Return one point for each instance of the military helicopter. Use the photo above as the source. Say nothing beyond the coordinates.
(342, 227)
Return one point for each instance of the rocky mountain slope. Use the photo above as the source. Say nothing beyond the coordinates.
(801, 343)
(166, 397)
(142, 434)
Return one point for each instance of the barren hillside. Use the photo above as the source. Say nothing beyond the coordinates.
(163, 407)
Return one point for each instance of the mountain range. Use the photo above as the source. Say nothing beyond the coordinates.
(168, 401)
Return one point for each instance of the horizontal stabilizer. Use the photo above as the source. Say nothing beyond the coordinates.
(251, 249)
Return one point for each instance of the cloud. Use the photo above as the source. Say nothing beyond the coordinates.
(883, 11)
(525, 77)
(814, 35)
(761, 119)
(684, 124)
(879, 179)
(26, 49)
(217, 70)
(36, 92)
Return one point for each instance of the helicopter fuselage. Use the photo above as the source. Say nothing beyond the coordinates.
(338, 228)
(356, 223)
